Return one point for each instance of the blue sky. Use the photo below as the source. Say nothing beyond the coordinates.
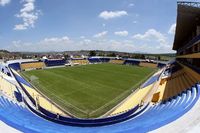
(62, 25)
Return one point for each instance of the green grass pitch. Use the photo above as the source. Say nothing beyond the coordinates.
(91, 90)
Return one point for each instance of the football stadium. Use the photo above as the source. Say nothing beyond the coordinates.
(107, 94)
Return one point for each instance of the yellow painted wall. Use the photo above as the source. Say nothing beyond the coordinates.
(116, 61)
(132, 100)
(43, 102)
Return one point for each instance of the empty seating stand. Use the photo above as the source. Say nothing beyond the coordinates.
(179, 81)
(131, 62)
(98, 59)
(15, 66)
(154, 117)
(56, 62)
(32, 65)
(161, 65)
(80, 61)
(116, 61)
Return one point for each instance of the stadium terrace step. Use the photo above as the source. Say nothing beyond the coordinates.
(179, 81)
(154, 117)
(56, 62)
(186, 81)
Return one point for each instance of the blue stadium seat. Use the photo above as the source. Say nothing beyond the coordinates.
(154, 117)
(54, 62)
(98, 60)
(131, 62)
(15, 66)
(161, 65)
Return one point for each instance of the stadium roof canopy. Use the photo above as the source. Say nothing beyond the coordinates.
(188, 17)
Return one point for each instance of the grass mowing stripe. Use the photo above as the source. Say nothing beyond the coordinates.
(51, 95)
(80, 82)
(124, 93)
(90, 90)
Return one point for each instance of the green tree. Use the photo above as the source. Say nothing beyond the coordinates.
(92, 53)
(66, 56)
(159, 57)
(101, 54)
(112, 55)
(142, 56)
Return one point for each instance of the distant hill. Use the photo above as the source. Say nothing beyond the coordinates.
(4, 51)
(4, 54)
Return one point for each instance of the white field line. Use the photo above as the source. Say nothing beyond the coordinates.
(107, 113)
(62, 101)
(52, 102)
(105, 105)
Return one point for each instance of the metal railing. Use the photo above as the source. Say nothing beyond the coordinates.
(187, 3)
(189, 44)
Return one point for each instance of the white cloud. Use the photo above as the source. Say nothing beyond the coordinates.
(28, 7)
(137, 15)
(158, 40)
(4, 2)
(67, 44)
(20, 27)
(172, 29)
(152, 41)
(101, 34)
(135, 22)
(86, 41)
(46, 44)
(121, 33)
(56, 39)
(64, 44)
(123, 45)
(112, 14)
(149, 35)
(16, 43)
(131, 5)
(28, 14)
(82, 37)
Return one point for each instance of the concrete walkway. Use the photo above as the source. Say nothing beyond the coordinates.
(7, 129)
(188, 123)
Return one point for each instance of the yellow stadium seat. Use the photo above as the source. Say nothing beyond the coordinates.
(116, 61)
(32, 65)
(133, 100)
